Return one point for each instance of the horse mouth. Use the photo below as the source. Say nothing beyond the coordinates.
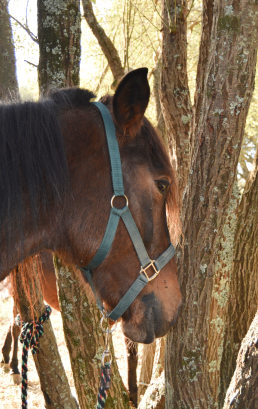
(151, 325)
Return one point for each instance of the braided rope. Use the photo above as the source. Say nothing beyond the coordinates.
(105, 383)
(31, 332)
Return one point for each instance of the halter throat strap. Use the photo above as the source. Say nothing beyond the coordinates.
(114, 217)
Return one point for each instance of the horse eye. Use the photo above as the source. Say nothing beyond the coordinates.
(162, 185)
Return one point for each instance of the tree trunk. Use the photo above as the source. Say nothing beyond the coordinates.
(174, 91)
(229, 81)
(8, 79)
(85, 340)
(104, 41)
(53, 380)
(59, 35)
(242, 392)
(243, 290)
(148, 354)
(158, 111)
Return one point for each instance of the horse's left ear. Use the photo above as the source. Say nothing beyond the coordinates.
(131, 99)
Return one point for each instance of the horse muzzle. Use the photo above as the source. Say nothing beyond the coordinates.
(148, 320)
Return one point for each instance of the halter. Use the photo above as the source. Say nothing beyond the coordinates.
(114, 217)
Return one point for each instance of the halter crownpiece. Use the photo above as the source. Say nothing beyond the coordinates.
(114, 217)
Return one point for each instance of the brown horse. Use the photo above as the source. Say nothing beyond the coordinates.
(55, 191)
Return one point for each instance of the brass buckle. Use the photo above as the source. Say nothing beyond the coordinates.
(151, 264)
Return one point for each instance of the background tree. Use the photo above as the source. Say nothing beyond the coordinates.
(59, 28)
(8, 79)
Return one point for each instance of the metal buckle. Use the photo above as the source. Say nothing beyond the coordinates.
(151, 264)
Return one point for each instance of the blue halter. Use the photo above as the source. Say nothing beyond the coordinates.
(114, 217)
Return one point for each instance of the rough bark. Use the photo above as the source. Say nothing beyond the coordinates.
(53, 380)
(242, 392)
(8, 79)
(154, 396)
(229, 82)
(204, 49)
(85, 340)
(174, 91)
(59, 43)
(160, 123)
(222, 277)
(243, 289)
(107, 46)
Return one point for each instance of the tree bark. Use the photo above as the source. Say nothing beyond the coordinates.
(204, 50)
(8, 79)
(85, 340)
(53, 380)
(107, 46)
(174, 91)
(220, 294)
(228, 86)
(242, 392)
(243, 290)
(158, 111)
(59, 35)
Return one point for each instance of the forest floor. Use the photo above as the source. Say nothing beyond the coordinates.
(10, 394)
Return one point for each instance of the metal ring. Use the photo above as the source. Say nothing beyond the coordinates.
(113, 197)
(104, 355)
(108, 330)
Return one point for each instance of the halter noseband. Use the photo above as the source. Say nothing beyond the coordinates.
(114, 217)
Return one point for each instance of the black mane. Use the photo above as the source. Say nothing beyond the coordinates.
(33, 167)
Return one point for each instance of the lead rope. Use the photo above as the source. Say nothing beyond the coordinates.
(105, 375)
(31, 332)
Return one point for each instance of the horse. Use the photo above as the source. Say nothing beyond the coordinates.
(49, 290)
(55, 191)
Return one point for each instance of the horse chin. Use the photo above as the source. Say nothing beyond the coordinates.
(142, 334)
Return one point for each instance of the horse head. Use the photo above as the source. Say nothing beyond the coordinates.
(150, 189)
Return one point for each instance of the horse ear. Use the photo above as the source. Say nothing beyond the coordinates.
(131, 99)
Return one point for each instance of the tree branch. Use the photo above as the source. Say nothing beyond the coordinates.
(107, 46)
(26, 28)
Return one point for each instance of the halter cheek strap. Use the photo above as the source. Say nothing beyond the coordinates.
(114, 217)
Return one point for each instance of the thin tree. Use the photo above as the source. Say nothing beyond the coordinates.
(59, 33)
(8, 78)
